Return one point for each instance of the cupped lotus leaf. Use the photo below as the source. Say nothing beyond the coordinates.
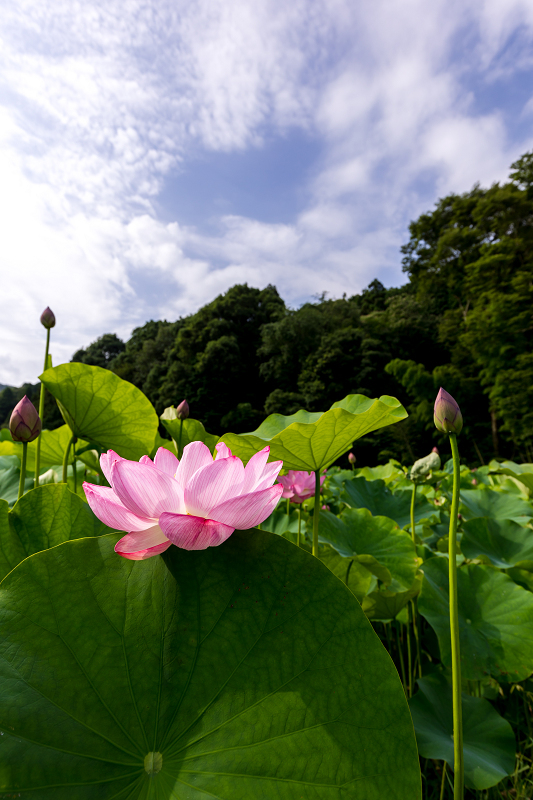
(46, 516)
(386, 472)
(10, 479)
(193, 430)
(313, 441)
(384, 604)
(240, 671)
(523, 577)
(495, 620)
(379, 500)
(99, 406)
(53, 446)
(488, 739)
(486, 502)
(520, 472)
(506, 543)
(357, 534)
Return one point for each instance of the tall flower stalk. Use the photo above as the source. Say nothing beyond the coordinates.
(448, 419)
(24, 426)
(48, 320)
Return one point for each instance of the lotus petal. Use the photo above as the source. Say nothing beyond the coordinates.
(194, 533)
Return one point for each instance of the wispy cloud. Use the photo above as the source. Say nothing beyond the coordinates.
(101, 104)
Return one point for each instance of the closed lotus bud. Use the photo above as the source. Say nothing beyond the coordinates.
(182, 411)
(351, 458)
(25, 423)
(47, 318)
(435, 450)
(447, 414)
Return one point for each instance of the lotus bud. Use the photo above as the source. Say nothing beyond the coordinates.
(25, 423)
(435, 450)
(447, 414)
(47, 318)
(351, 458)
(182, 411)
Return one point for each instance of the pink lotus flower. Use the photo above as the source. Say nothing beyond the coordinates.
(298, 485)
(194, 503)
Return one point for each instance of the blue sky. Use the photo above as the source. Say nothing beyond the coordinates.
(154, 154)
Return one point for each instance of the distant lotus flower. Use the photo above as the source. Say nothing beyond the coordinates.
(447, 414)
(47, 318)
(298, 485)
(351, 458)
(25, 424)
(182, 411)
(194, 503)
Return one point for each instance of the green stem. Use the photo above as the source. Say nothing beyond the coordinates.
(416, 631)
(443, 781)
(65, 459)
(348, 571)
(41, 413)
(23, 470)
(400, 658)
(179, 440)
(316, 512)
(75, 477)
(299, 524)
(413, 535)
(458, 766)
(409, 656)
(288, 506)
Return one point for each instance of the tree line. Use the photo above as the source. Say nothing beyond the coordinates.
(462, 320)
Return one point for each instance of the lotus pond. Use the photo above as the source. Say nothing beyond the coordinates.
(307, 657)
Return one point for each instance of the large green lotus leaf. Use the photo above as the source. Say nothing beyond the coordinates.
(237, 672)
(521, 472)
(193, 430)
(495, 620)
(383, 604)
(379, 500)
(53, 446)
(10, 479)
(389, 473)
(312, 441)
(503, 541)
(102, 408)
(357, 534)
(488, 739)
(486, 502)
(43, 518)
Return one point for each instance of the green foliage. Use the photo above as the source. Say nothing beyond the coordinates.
(245, 670)
(191, 430)
(496, 635)
(488, 740)
(102, 408)
(378, 499)
(313, 441)
(505, 543)
(102, 352)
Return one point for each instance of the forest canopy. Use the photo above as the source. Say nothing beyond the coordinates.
(463, 321)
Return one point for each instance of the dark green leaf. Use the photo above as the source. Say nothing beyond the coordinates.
(486, 502)
(379, 500)
(503, 541)
(241, 671)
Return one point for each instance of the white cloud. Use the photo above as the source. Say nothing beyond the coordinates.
(99, 103)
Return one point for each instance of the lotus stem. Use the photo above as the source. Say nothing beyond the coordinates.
(443, 781)
(413, 497)
(409, 656)
(400, 659)
(458, 765)
(65, 458)
(23, 470)
(299, 524)
(179, 439)
(316, 512)
(288, 506)
(41, 412)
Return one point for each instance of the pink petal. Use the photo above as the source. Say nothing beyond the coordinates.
(270, 473)
(223, 451)
(248, 510)
(166, 461)
(194, 533)
(146, 491)
(214, 483)
(141, 555)
(195, 456)
(106, 462)
(253, 471)
(141, 540)
(146, 460)
(109, 509)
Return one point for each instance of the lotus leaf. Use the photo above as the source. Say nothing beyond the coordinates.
(486, 502)
(241, 671)
(503, 541)
(379, 500)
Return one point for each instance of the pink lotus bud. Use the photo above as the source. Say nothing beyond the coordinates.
(351, 458)
(326, 508)
(25, 423)
(182, 411)
(435, 450)
(474, 482)
(47, 318)
(447, 414)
